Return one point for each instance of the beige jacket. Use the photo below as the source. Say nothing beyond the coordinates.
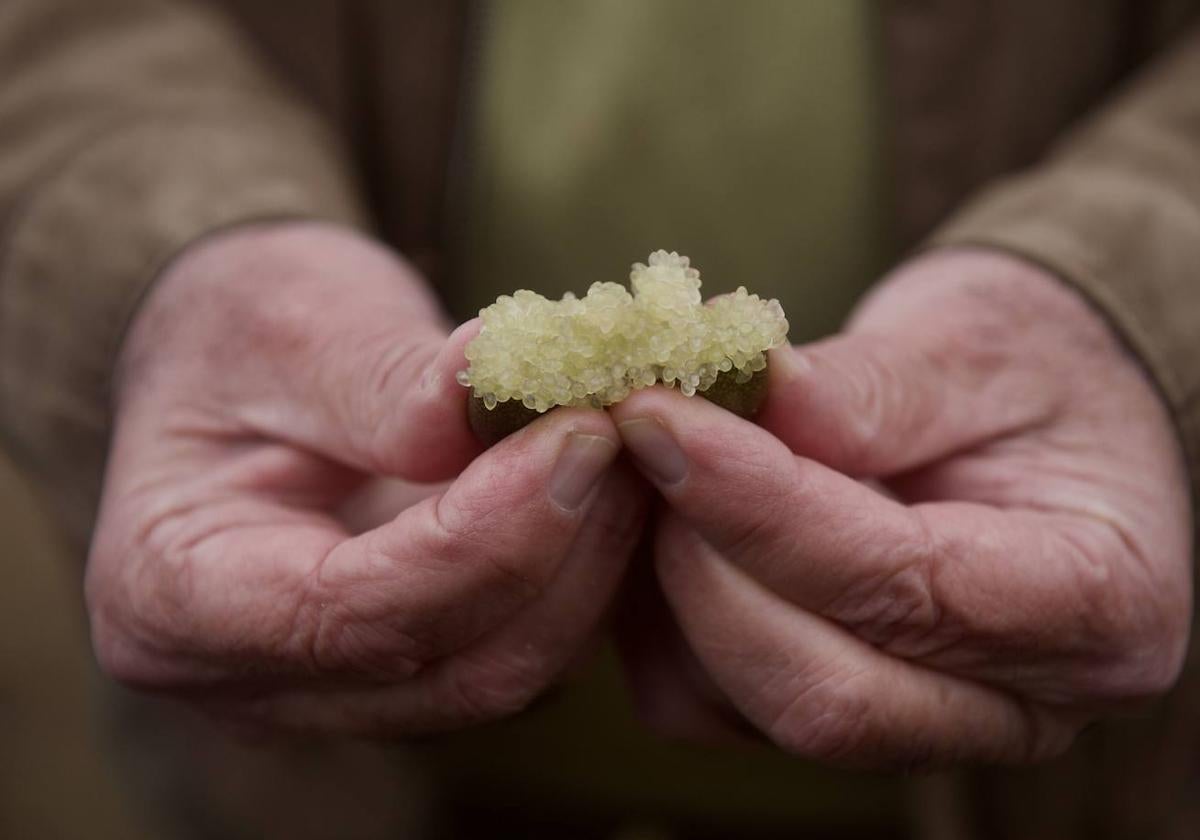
(1067, 131)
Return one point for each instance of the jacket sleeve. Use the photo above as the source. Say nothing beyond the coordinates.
(128, 128)
(1114, 210)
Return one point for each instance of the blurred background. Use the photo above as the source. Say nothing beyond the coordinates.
(56, 772)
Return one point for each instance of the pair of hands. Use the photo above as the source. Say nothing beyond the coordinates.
(959, 531)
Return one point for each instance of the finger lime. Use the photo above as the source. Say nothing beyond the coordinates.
(533, 354)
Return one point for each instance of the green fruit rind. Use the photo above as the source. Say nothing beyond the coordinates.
(493, 425)
(742, 398)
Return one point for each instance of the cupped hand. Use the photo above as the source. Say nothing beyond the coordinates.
(272, 373)
(961, 532)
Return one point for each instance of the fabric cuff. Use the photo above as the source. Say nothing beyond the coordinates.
(91, 237)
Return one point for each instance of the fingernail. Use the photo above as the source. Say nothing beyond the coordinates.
(655, 449)
(581, 463)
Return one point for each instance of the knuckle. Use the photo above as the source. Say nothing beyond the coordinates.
(151, 584)
(829, 719)
(1135, 625)
(139, 660)
(160, 606)
(345, 644)
(897, 608)
(750, 535)
(1099, 599)
(338, 630)
(470, 530)
(763, 528)
(136, 620)
(1148, 644)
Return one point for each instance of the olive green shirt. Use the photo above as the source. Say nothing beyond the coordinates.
(747, 137)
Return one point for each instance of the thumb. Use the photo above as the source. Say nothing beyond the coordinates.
(371, 394)
(877, 404)
(365, 369)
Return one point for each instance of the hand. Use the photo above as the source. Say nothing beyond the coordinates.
(1020, 564)
(272, 372)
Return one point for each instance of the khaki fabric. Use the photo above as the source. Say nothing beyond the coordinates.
(129, 128)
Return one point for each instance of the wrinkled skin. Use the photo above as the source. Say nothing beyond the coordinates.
(248, 555)
(959, 532)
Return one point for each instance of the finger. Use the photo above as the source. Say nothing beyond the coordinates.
(818, 691)
(197, 589)
(803, 530)
(504, 670)
(875, 404)
(671, 692)
(959, 586)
